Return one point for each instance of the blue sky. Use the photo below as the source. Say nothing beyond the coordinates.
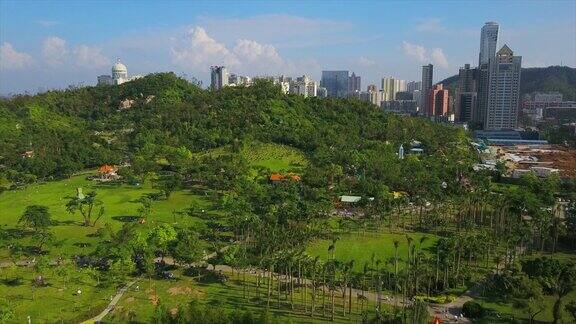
(57, 43)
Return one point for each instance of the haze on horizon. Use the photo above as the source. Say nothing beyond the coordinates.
(54, 44)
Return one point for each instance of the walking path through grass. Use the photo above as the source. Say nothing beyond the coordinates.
(112, 304)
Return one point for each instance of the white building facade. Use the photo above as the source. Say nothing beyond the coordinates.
(119, 75)
(503, 90)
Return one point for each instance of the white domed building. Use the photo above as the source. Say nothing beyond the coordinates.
(119, 71)
(119, 75)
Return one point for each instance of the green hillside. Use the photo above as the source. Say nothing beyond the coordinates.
(228, 208)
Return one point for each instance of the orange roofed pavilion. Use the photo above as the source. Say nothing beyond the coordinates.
(274, 177)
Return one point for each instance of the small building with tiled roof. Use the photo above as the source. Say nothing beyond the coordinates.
(276, 177)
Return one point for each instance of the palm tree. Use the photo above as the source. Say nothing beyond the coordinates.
(378, 287)
(332, 247)
(362, 282)
(416, 272)
(314, 269)
(270, 282)
(396, 244)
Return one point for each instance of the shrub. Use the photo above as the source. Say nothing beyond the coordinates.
(472, 309)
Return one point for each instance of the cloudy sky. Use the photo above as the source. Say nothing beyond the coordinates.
(56, 43)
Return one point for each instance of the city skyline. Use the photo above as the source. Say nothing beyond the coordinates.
(189, 38)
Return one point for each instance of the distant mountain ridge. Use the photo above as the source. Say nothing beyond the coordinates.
(552, 78)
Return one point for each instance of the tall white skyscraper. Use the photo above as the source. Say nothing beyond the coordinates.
(488, 42)
(219, 77)
(503, 90)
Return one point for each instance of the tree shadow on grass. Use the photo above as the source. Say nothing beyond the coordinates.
(82, 244)
(65, 223)
(33, 250)
(12, 282)
(17, 233)
(126, 218)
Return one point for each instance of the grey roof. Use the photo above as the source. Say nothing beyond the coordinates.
(350, 199)
(505, 50)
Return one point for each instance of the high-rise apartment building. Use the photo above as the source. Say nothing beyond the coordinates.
(218, 77)
(427, 76)
(371, 95)
(466, 97)
(354, 84)
(482, 76)
(391, 86)
(239, 80)
(488, 42)
(438, 101)
(417, 96)
(304, 86)
(336, 83)
(503, 90)
(388, 88)
(413, 85)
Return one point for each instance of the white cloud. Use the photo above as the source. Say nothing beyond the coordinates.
(415, 51)
(90, 57)
(10, 59)
(420, 54)
(198, 50)
(439, 58)
(365, 62)
(250, 51)
(430, 25)
(54, 51)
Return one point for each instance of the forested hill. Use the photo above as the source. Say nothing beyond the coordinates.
(552, 78)
(171, 122)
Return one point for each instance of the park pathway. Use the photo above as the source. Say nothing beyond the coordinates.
(121, 292)
(112, 304)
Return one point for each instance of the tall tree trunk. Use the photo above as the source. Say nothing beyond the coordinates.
(270, 271)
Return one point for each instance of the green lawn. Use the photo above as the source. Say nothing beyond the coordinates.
(361, 246)
(58, 302)
(508, 311)
(275, 157)
(230, 295)
(119, 203)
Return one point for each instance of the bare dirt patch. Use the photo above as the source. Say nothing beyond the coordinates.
(154, 299)
(183, 290)
(180, 291)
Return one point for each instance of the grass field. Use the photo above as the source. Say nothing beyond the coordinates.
(58, 302)
(230, 296)
(119, 203)
(275, 157)
(361, 246)
(507, 310)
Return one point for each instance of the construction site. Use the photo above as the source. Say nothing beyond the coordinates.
(543, 159)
